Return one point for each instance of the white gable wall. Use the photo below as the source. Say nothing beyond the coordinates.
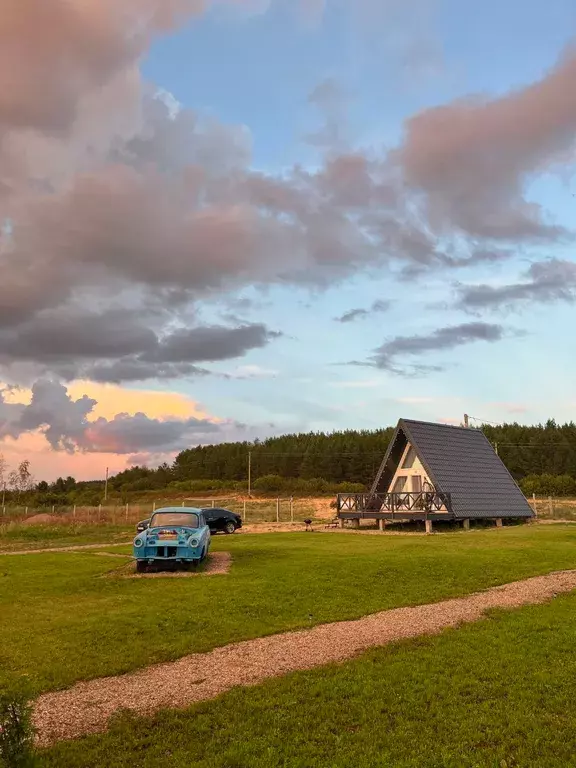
(416, 477)
(415, 471)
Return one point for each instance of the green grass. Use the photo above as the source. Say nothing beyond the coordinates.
(15, 537)
(62, 622)
(496, 694)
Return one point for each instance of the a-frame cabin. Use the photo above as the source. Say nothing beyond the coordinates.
(438, 472)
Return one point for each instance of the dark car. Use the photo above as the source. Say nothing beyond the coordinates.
(218, 519)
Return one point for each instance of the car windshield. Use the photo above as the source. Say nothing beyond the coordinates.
(189, 519)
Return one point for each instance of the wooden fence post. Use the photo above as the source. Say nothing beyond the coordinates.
(535, 506)
(291, 509)
(154, 507)
(99, 512)
(52, 508)
(126, 511)
(74, 512)
(277, 510)
(244, 511)
(550, 506)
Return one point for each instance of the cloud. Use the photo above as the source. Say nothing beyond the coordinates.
(450, 337)
(68, 425)
(252, 372)
(123, 345)
(545, 282)
(471, 159)
(355, 314)
(118, 201)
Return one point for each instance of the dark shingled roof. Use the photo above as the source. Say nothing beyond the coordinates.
(461, 462)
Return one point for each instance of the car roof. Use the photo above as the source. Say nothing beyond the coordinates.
(196, 510)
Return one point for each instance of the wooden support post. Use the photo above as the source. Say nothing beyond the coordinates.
(341, 522)
(382, 524)
(498, 522)
(466, 525)
(429, 526)
(355, 522)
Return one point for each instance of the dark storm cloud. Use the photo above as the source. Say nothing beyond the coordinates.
(117, 346)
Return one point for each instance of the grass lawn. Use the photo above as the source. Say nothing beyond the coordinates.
(62, 622)
(497, 694)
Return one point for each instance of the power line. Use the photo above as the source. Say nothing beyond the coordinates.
(324, 454)
(485, 421)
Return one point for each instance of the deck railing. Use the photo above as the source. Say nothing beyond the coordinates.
(369, 503)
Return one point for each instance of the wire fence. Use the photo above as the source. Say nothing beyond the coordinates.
(553, 508)
(280, 510)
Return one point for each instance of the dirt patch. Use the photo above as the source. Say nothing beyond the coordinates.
(42, 519)
(216, 562)
(87, 706)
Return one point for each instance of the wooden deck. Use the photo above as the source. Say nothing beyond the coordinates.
(427, 505)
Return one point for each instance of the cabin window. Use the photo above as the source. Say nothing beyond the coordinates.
(400, 484)
(416, 484)
(409, 459)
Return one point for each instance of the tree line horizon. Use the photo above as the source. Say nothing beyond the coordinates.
(541, 458)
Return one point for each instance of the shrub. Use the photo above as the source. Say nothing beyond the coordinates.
(549, 485)
(16, 732)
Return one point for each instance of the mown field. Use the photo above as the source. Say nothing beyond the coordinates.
(436, 702)
(497, 694)
(65, 619)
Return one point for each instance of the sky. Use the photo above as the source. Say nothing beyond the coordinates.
(230, 219)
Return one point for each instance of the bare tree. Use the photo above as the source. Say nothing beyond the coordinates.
(21, 480)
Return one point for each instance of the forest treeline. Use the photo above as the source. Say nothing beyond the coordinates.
(542, 458)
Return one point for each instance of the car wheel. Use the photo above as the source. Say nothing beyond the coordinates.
(229, 527)
(141, 566)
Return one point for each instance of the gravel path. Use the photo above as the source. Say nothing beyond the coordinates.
(64, 549)
(87, 706)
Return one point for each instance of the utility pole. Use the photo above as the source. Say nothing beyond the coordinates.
(249, 473)
(3, 494)
(106, 486)
(466, 420)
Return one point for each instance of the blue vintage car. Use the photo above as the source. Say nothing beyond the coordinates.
(176, 535)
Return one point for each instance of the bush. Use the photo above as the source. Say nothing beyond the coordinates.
(16, 733)
(315, 485)
(549, 485)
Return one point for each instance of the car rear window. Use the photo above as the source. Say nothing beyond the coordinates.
(189, 519)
